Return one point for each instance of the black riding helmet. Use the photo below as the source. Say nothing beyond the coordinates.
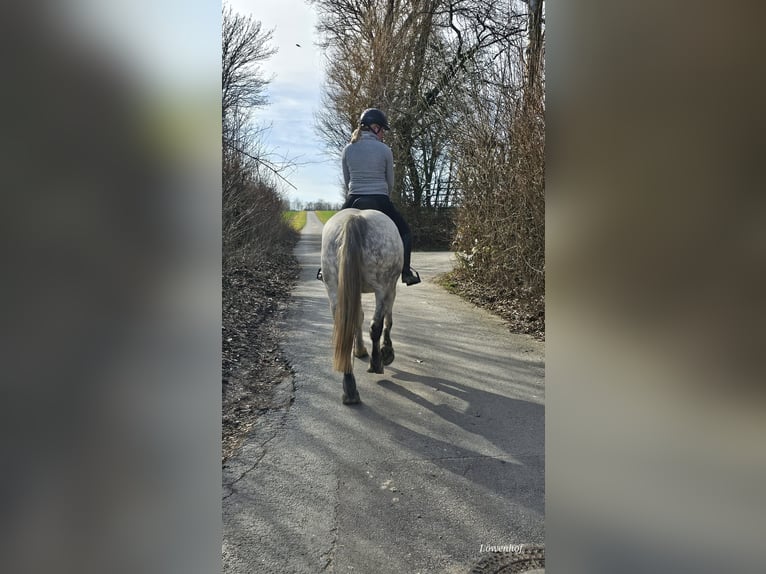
(374, 116)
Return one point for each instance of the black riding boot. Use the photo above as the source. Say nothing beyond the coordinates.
(408, 276)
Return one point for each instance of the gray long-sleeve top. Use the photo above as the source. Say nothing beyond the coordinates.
(368, 166)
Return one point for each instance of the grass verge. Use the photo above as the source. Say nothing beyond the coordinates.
(325, 215)
(296, 219)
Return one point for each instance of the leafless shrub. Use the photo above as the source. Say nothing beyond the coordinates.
(501, 171)
(252, 221)
(251, 205)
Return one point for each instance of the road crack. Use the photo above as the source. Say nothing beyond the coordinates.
(329, 556)
(279, 424)
(469, 457)
(230, 485)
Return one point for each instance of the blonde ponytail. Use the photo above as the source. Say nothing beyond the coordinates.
(358, 133)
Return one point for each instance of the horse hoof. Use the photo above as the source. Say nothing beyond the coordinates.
(372, 369)
(355, 400)
(387, 354)
(363, 355)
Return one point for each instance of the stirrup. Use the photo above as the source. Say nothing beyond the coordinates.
(319, 274)
(412, 279)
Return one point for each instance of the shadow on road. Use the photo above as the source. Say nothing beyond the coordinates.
(520, 435)
(445, 453)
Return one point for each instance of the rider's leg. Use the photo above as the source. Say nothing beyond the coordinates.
(408, 276)
(383, 203)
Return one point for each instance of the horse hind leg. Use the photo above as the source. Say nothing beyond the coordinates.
(376, 363)
(360, 351)
(387, 351)
(383, 304)
(350, 394)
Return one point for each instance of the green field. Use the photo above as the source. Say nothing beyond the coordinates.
(296, 219)
(325, 215)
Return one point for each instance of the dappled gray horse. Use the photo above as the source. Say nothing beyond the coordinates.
(361, 253)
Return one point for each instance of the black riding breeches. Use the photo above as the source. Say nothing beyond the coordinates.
(381, 203)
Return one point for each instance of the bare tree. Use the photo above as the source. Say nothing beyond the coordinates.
(408, 58)
(245, 45)
(500, 166)
(463, 83)
(251, 204)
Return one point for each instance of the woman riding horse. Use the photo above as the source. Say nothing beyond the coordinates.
(368, 175)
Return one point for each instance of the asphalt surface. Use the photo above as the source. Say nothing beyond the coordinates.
(445, 453)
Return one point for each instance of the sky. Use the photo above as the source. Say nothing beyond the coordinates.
(294, 94)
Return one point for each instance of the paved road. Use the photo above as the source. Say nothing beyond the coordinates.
(445, 453)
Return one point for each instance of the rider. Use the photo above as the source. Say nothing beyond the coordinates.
(368, 173)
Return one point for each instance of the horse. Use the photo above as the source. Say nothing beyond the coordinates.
(362, 252)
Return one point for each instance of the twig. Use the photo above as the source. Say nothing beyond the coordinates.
(262, 162)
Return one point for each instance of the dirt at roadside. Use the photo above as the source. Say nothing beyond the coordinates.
(254, 299)
(527, 317)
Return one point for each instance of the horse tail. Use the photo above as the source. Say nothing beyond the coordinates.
(348, 311)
